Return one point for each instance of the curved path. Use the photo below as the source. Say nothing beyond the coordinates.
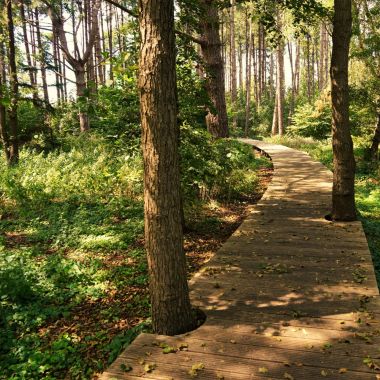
(288, 296)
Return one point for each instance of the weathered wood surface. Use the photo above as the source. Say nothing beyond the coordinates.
(289, 296)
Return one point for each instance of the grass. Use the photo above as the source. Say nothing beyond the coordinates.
(73, 271)
(367, 186)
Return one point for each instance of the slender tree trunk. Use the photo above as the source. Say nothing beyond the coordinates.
(248, 75)
(233, 63)
(343, 196)
(233, 53)
(81, 87)
(308, 68)
(297, 69)
(376, 141)
(4, 134)
(171, 309)
(240, 58)
(271, 76)
(31, 69)
(110, 39)
(280, 81)
(292, 99)
(13, 81)
(275, 116)
(42, 58)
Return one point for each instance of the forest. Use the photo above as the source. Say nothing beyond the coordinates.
(121, 172)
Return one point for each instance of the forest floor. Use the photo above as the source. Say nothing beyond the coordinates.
(75, 280)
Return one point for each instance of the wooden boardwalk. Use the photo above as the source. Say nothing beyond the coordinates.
(289, 296)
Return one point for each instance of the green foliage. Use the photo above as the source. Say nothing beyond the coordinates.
(312, 121)
(220, 169)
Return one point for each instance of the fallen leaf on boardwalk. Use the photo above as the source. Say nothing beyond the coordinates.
(263, 370)
(141, 361)
(169, 350)
(286, 364)
(150, 367)
(184, 346)
(220, 377)
(193, 372)
(342, 370)
(126, 367)
(233, 341)
(288, 376)
(298, 364)
(323, 373)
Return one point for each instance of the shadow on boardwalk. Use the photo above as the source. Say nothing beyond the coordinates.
(289, 296)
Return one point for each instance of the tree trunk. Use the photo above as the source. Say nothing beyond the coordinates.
(292, 98)
(42, 58)
(275, 116)
(248, 74)
(171, 309)
(217, 122)
(233, 64)
(3, 123)
(31, 69)
(343, 196)
(13, 82)
(376, 141)
(280, 80)
(233, 54)
(308, 68)
(80, 80)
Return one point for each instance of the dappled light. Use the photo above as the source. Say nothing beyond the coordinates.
(289, 295)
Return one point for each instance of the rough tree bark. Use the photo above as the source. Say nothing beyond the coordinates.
(171, 309)
(217, 122)
(343, 196)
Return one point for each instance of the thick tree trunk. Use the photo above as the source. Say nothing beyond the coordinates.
(13, 81)
(343, 197)
(171, 309)
(376, 141)
(217, 122)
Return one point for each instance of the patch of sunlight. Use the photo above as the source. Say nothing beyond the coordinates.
(101, 241)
